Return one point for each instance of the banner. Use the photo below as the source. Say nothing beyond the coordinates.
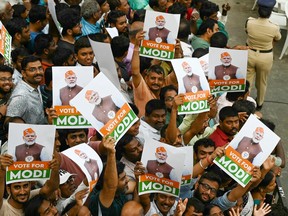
(67, 83)
(227, 70)
(193, 83)
(164, 168)
(31, 147)
(161, 33)
(102, 104)
(250, 147)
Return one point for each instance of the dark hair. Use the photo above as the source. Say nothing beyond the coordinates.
(82, 42)
(218, 39)
(5, 68)
(37, 13)
(120, 150)
(264, 12)
(166, 89)
(134, 108)
(114, 4)
(27, 59)
(153, 3)
(154, 104)
(199, 52)
(139, 15)
(178, 8)
(68, 18)
(206, 142)
(19, 51)
(197, 204)
(100, 37)
(163, 131)
(114, 15)
(42, 42)
(266, 181)
(184, 29)
(208, 208)
(18, 10)
(268, 123)
(233, 96)
(16, 25)
(32, 206)
(211, 176)
(48, 75)
(207, 9)
(101, 2)
(156, 69)
(61, 55)
(66, 132)
(206, 24)
(244, 106)
(119, 46)
(227, 112)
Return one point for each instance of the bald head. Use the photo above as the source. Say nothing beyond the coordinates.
(134, 28)
(132, 208)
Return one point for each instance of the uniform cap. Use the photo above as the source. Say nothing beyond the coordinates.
(267, 3)
(64, 176)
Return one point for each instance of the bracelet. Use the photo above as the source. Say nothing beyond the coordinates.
(201, 165)
(208, 160)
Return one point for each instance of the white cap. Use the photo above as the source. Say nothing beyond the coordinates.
(64, 176)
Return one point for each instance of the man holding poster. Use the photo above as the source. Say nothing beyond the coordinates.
(191, 81)
(248, 147)
(159, 167)
(30, 150)
(159, 33)
(105, 109)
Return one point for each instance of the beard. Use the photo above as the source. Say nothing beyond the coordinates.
(160, 27)
(29, 142)
(161, 161)
(226, 64)
(197, 195)
(71, 85)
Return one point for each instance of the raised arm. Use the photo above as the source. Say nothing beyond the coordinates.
(108, 192)
(5, 161)
(53, 183)
(135, 62)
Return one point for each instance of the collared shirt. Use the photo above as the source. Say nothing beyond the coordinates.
(88, 28)
(26, 102)
(219, 137)
(17, 76)
(146, 131)
(129, 168)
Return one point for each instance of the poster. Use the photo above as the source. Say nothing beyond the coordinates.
(5, 43)
(164, 167)
(52, 10)
(250, 147)
(88, 160)
(161, 33)
(102, 104)
(67, 83)
(204, 62)
(31, 147)
(188, 166)
(193, 83)
(227, 70)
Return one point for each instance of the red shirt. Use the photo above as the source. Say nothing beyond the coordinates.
(219, 137)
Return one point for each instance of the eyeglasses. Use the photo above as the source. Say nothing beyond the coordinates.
(34, 69)
(3, 79)
(206, 187)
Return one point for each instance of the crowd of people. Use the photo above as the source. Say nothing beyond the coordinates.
(151, 88)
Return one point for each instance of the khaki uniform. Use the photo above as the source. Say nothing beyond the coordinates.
(190, 81)
(247, 146)
(261, 34)
(67, 93)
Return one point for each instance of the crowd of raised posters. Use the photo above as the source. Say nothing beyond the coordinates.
(5, 43)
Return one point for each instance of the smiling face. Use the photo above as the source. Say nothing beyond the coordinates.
(164, 202)
(33, 73)
(6, 83)
(257, 136)
(19, 192)
(30, 138)
(206, 190)
(161, 157)
(160, 23)
(226, 60)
